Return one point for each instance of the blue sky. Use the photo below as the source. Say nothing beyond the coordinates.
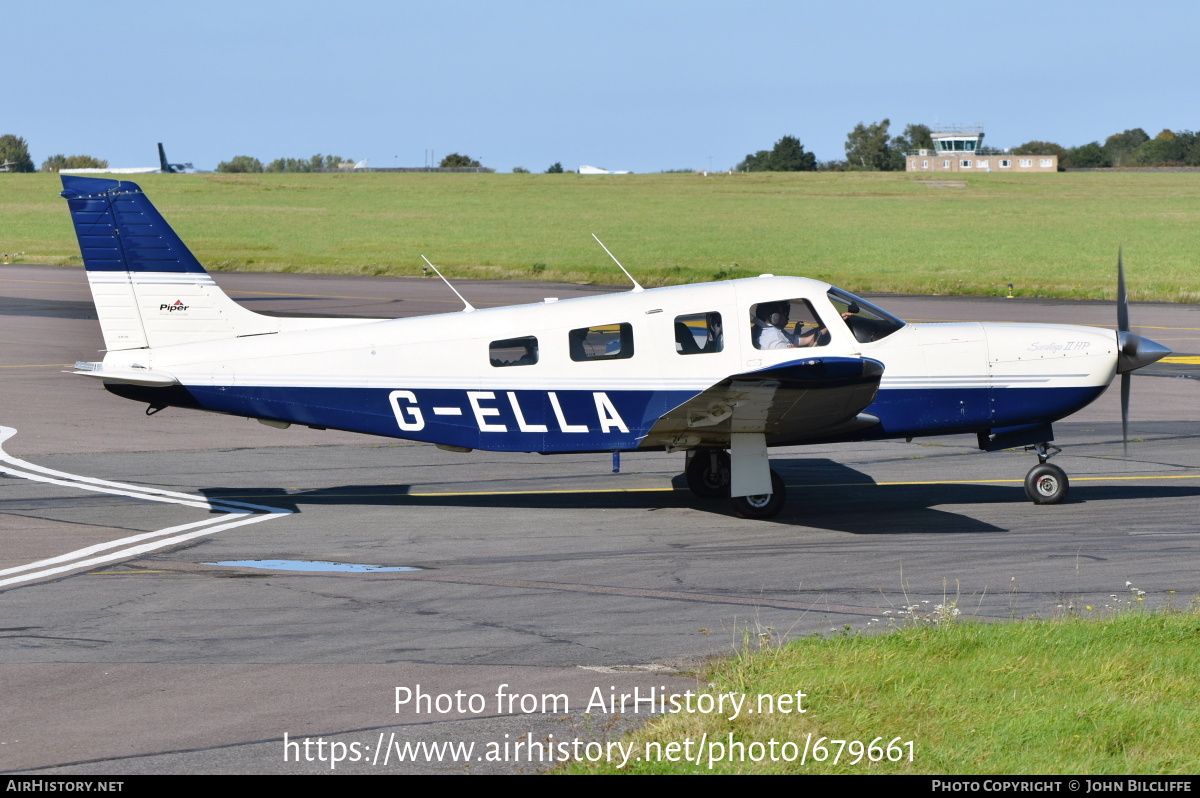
(645, 86)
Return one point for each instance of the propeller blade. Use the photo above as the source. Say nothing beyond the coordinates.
(1122, 299)
(1125, 380)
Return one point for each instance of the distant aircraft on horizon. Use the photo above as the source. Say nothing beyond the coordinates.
(596, 170)
(162, 168)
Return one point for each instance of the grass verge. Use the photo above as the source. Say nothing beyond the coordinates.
(1048, 235)
(1116, 695)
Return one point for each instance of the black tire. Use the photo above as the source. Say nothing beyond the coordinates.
(760, 508)
(708, 473)
(1046, 484)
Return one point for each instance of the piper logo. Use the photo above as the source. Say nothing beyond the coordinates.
(172, 308)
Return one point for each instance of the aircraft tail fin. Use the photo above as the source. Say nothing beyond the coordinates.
(162, 160)
(148, 287)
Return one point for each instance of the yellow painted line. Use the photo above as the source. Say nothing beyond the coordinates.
(39, 366)
(545, 492)
(681, 490)
(992, 481)
(55, 282)
(375, 298)
(261, 293)
(1190, 359)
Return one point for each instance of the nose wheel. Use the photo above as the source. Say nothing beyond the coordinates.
(1046, 483)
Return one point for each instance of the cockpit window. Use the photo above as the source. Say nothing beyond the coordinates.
(786, 324)
(867, 322)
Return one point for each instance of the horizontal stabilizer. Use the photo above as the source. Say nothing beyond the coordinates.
(130, 376)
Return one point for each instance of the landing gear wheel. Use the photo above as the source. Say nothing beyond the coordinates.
(708, 473)
(767, 505)
(1046, 484)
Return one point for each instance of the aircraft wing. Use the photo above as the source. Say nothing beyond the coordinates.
(793, 402)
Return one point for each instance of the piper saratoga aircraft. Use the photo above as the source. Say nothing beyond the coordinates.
(721, 371)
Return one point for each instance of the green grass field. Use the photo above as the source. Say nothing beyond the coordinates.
(1048, 234)
(1104, 696)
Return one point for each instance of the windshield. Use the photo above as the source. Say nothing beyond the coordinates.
(867, 322)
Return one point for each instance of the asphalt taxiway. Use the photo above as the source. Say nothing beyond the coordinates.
(141, 634)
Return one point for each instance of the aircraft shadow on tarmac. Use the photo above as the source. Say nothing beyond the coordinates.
(823, 494)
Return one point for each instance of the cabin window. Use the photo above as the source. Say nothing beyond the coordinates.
(867, 322)
(602, 342)
(514, 352)
(699, 333)
(786, 324)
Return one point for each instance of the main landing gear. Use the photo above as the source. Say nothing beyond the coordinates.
(709, 473)
(1046, 483)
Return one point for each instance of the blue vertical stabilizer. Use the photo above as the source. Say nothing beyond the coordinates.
(120, 230)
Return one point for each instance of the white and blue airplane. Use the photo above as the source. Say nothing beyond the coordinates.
(721, 371)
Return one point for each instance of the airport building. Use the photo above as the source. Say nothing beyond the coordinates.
(960, 149)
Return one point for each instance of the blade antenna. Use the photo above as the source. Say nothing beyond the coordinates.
(468, 307)
(636, 286)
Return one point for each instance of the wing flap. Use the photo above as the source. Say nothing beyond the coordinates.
(789, 403)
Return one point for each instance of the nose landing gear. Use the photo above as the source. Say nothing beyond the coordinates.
(1046, 483)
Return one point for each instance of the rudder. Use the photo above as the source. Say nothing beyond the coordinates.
(148, 287)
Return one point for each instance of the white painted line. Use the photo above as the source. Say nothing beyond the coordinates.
(134, 544)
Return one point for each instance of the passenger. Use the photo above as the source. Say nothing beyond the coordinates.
(716, 334)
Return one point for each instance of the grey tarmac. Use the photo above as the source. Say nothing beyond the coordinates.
(551, 575)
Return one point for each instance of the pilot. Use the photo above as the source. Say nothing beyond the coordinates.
(772, 319)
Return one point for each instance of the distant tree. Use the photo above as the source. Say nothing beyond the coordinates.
(288, 165)
(756, 162)
(455, 160)
(240, 163)
(15, 152)
(56, 163)
(1041, 148)
(1165, 149)
(788, 155)
(915, 137)
(1191, 147)
(1121, 146)
(1088, 156)
(520, 170)
(334, 162)
(555, 169)
(868, 148)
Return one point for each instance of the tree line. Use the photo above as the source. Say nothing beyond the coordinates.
(14, 157)
(319, 163)
(871, 148)
(316, 163)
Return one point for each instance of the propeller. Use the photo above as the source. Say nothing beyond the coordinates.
(1133, 351)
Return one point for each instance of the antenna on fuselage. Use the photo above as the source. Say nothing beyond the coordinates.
(636, 287)
(468, 307)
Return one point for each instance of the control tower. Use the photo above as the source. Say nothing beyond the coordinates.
(959, 148)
